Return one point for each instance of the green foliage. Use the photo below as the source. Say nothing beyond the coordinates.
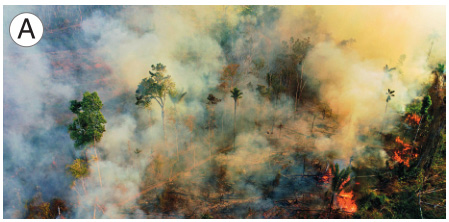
(176, 96)
(36, 208)
(78, 168)
(339, 178)
(206, 216)
(440, 69)
(155, 87)
(390, 94)
(263, 90)
(236, 94)
(426, 103)
(299, 49)
(275, 83)
(88, 125)
(373, 206)
(414, 107)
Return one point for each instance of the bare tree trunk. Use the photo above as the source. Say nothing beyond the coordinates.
(98, 165)
(313, 123)
(163, 122)
(419, 201)
(82, 184)
(331, 205)
(194, 152)
(300, 86)
(95, 208)
(274, 113)
(416, 135)
(176, 133)
(385, 115)
(235, 115)
(222, 120)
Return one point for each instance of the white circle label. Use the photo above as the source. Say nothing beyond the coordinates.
(26, 29)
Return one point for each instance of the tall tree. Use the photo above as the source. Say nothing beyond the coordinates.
(88, 125)
(155, 87)
(426, 103)
(176, 97)
(211, 103)
(236, 94)
(390, 94)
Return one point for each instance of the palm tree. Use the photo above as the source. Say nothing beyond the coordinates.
(339, 182)
(390, 93)
(176, 97)
(236, 94)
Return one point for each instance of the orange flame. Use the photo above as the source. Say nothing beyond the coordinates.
(326, 178)
(345, 199)
(403, 156)
(344, 182)
(413, 119)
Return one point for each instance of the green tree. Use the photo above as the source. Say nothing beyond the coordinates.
(236, 94)
(426, 103)
(390, 94)
(339, 182)
(176, 97)
(88, 125)
(155, 87)
(78, 169)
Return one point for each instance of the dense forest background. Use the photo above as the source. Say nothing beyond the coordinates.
(226, 112)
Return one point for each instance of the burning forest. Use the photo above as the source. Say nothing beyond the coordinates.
(226, 112)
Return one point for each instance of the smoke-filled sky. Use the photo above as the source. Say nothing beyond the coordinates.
(111, 49)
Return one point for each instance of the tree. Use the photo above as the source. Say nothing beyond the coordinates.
(426, 103)
(236, 94)
(390, 93)
(439, 72)
(176, 97)
(211, 102)
(155, 87)
(339, 182)
(78, 169)
(274, 82)
(299, 50)
(88, 125)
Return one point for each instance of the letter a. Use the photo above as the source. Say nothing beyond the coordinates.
(30, 30)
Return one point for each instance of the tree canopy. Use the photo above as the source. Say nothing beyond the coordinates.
(154, 87)
(88, 125)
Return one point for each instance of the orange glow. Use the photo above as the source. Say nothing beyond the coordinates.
(345, 201)
(413, 119)
(344, 182)
(326, 178)
(403, 156)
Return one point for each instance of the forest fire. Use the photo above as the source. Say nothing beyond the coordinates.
(345, 199)
(229, 112)
(326, 177)
(413, 119)
(403, 156)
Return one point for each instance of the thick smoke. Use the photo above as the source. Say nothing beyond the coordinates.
(351, 46)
